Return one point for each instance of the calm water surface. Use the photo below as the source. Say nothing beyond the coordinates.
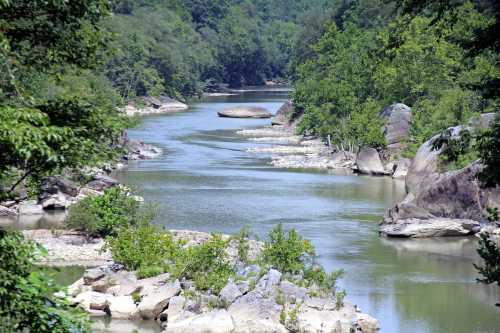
(206, 181)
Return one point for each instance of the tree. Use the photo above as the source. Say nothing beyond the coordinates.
(47, 122)
(489, 150)
(27, 294)
(489, 251)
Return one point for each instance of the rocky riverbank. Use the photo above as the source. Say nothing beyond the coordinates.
(154, 105)
(57, 193)
(289, 150)
(453, 203)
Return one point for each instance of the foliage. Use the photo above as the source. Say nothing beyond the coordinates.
(489, 151)
(327, 282)
(456, 151)
(359, 65)
(489, 251)
(106, 214)
(27, 300)
(47, 121)
(207, 264)
(145, 248)
(286, 251)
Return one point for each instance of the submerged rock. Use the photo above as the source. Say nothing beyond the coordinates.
(245, 112)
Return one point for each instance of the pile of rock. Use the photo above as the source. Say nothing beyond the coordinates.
(441, 203)
(56, 193)
(153, 105)
(255, 300)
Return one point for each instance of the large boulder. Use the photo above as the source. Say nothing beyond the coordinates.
(229, 293)
(56, 184)
(101, 182)
(217, 321)
(245, 112)
(284, 114)
(424, 168)
(433, 227)
(30, 207)
(122, 307)
(369, 162)
(7, 212)
(397, 125)
(153, 304)
(256, 313)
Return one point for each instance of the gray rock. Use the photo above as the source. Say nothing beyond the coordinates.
(122, 307)
(7, 212)
(56, 201)
(423, 170)
(153, 304)
(92, 275)
(312, 320)
(283, 115)
(229, 293)
(217, 321)
(434, 227)
(256, 313)
(482, 121)
(401, 168)
(101, 183)
(292, 292)
(30, 207)
(245, 112)
(174, 310)
(397, 127)
(57, 184)
(369, 162)
(91, 300)
(268, 282)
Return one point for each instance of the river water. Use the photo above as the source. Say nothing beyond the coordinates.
(206, 181)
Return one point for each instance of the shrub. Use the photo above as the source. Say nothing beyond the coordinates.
(27, 301)
(104, 215)
(145, 248)
(287, 252)
(489, 151)
(489, 251)
(326, 282)
(206, 264)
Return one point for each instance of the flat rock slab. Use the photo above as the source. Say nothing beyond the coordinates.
(435, 227)
(245, 112)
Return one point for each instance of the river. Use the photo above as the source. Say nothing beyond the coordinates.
(206, 181)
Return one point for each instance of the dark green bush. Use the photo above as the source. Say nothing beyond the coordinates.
(145, 248)
(489, 251)
(105, 215)
(287, 252)
(206, 264)
(27, 300)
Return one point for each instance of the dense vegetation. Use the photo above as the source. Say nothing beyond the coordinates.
(27, 295)
(370, 54)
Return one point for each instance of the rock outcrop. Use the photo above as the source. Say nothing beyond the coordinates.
(251, 302)
(397, 126)
(368, 162)
(245, 112)
(154, 105)
(283, 116)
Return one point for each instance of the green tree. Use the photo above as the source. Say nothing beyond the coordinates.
(27, 294)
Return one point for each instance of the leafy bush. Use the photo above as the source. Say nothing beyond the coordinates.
(145, 248)
(489, 251)
(206, 264)
(27, 301)
(287, 252)
(326, 282)
(489, 151)
(457, 151)
(105, 215)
